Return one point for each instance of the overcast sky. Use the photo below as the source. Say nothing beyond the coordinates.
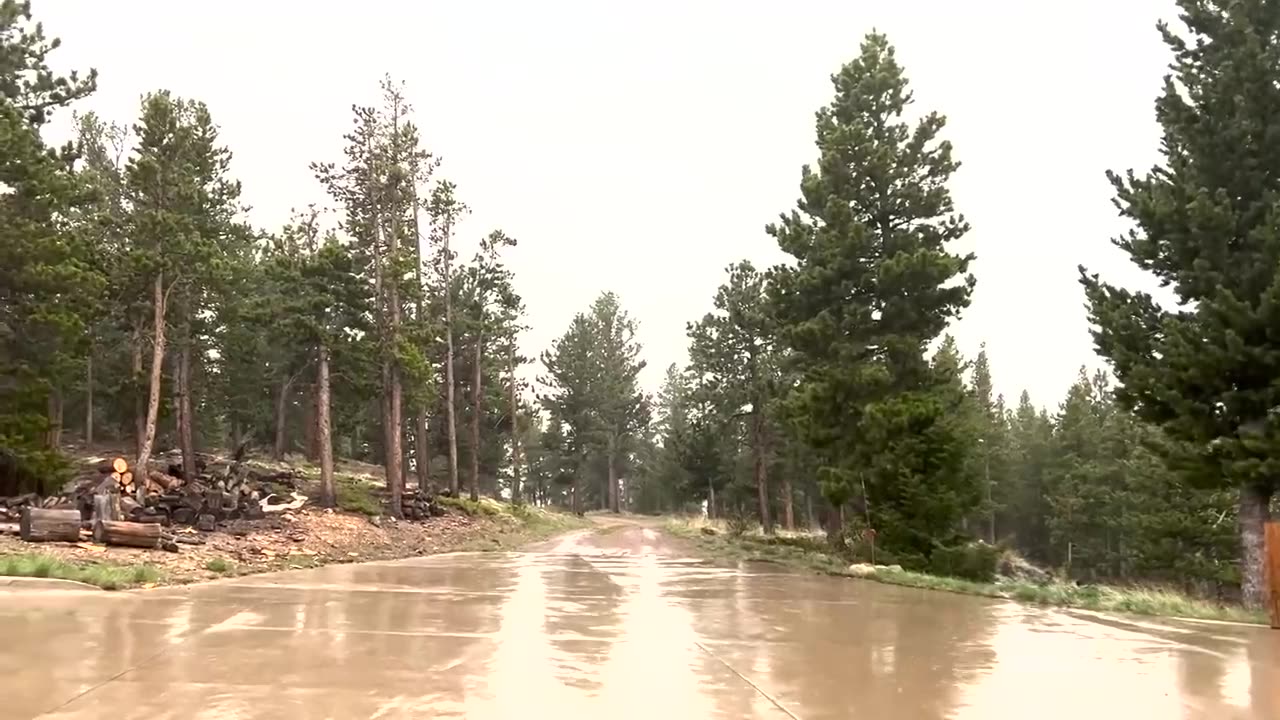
(642, 147)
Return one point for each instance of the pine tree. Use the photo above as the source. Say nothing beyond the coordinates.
(872, 286)
(44, 280)
(1206, 225)
(732, 354)
(445, 211)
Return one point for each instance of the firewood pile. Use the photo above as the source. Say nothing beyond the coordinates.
(417, 505)
(221, 490)
(11, 507)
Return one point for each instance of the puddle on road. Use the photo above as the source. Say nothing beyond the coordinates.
(611, 625)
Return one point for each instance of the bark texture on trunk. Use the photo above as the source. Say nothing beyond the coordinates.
(282, 414)
(711, 501)
(153, 397)
(186, 421)
(324, 433)
(1255, 503)
(476, 396)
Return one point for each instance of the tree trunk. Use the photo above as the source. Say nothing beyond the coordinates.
(139, 405)
(788, 504)
(613, 477)
(421, 448)
(421, 444)
(450, 415)
(759, 469)
(282, 412)
(476, 396)
(153, 397)
(88, 400)
(186, 423)
(515, 425)
(328, 493)
(811, 522)
(53, 438)
(1255, 502)
(391, 434)
(711, 501)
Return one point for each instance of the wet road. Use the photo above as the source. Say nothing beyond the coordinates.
(610, 626)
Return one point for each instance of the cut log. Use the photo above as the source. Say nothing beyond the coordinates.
(129, 534)
(164, 481)
(40, 525)
(207, 523)
(126, 477)
(104, 507)
(183, 516)
(118, 478)
(120, 465)
(127, 506)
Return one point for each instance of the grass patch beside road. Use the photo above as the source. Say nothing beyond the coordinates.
(104, 575)
(811, 552)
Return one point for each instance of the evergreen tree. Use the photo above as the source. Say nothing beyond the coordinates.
(44, 279)
(731, 353)
(1207, 226)
(872, 285)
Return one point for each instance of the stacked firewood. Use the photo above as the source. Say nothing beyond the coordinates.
(417, 505)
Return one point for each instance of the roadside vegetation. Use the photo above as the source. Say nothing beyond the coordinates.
(812, 552)
(108, 576)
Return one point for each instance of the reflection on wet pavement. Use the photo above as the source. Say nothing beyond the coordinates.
(608, 626)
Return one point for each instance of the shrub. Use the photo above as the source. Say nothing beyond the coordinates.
(973, 561)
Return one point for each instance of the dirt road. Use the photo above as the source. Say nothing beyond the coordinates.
(607, 623)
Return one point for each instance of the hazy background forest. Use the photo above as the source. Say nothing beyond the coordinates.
(142, 310)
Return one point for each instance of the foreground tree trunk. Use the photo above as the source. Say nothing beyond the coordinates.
(153, 396)
(1255, 502)
(186, 423)
(711, 501)
(324, 435)
(476, 396)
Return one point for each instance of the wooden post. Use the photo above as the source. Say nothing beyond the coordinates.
(1273, 572)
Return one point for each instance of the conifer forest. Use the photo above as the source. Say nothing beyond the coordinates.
(140, 309)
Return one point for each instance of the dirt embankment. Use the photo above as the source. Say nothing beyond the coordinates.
(310, 536)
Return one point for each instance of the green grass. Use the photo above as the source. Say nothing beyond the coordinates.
(812, 553)
(218, 565)
(357, 496)
(104, 575)
(484, 507)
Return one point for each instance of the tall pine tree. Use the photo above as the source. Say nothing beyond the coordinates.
(873, 284)
(1207, 225)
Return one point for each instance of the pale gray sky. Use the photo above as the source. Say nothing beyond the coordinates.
(642, 147)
